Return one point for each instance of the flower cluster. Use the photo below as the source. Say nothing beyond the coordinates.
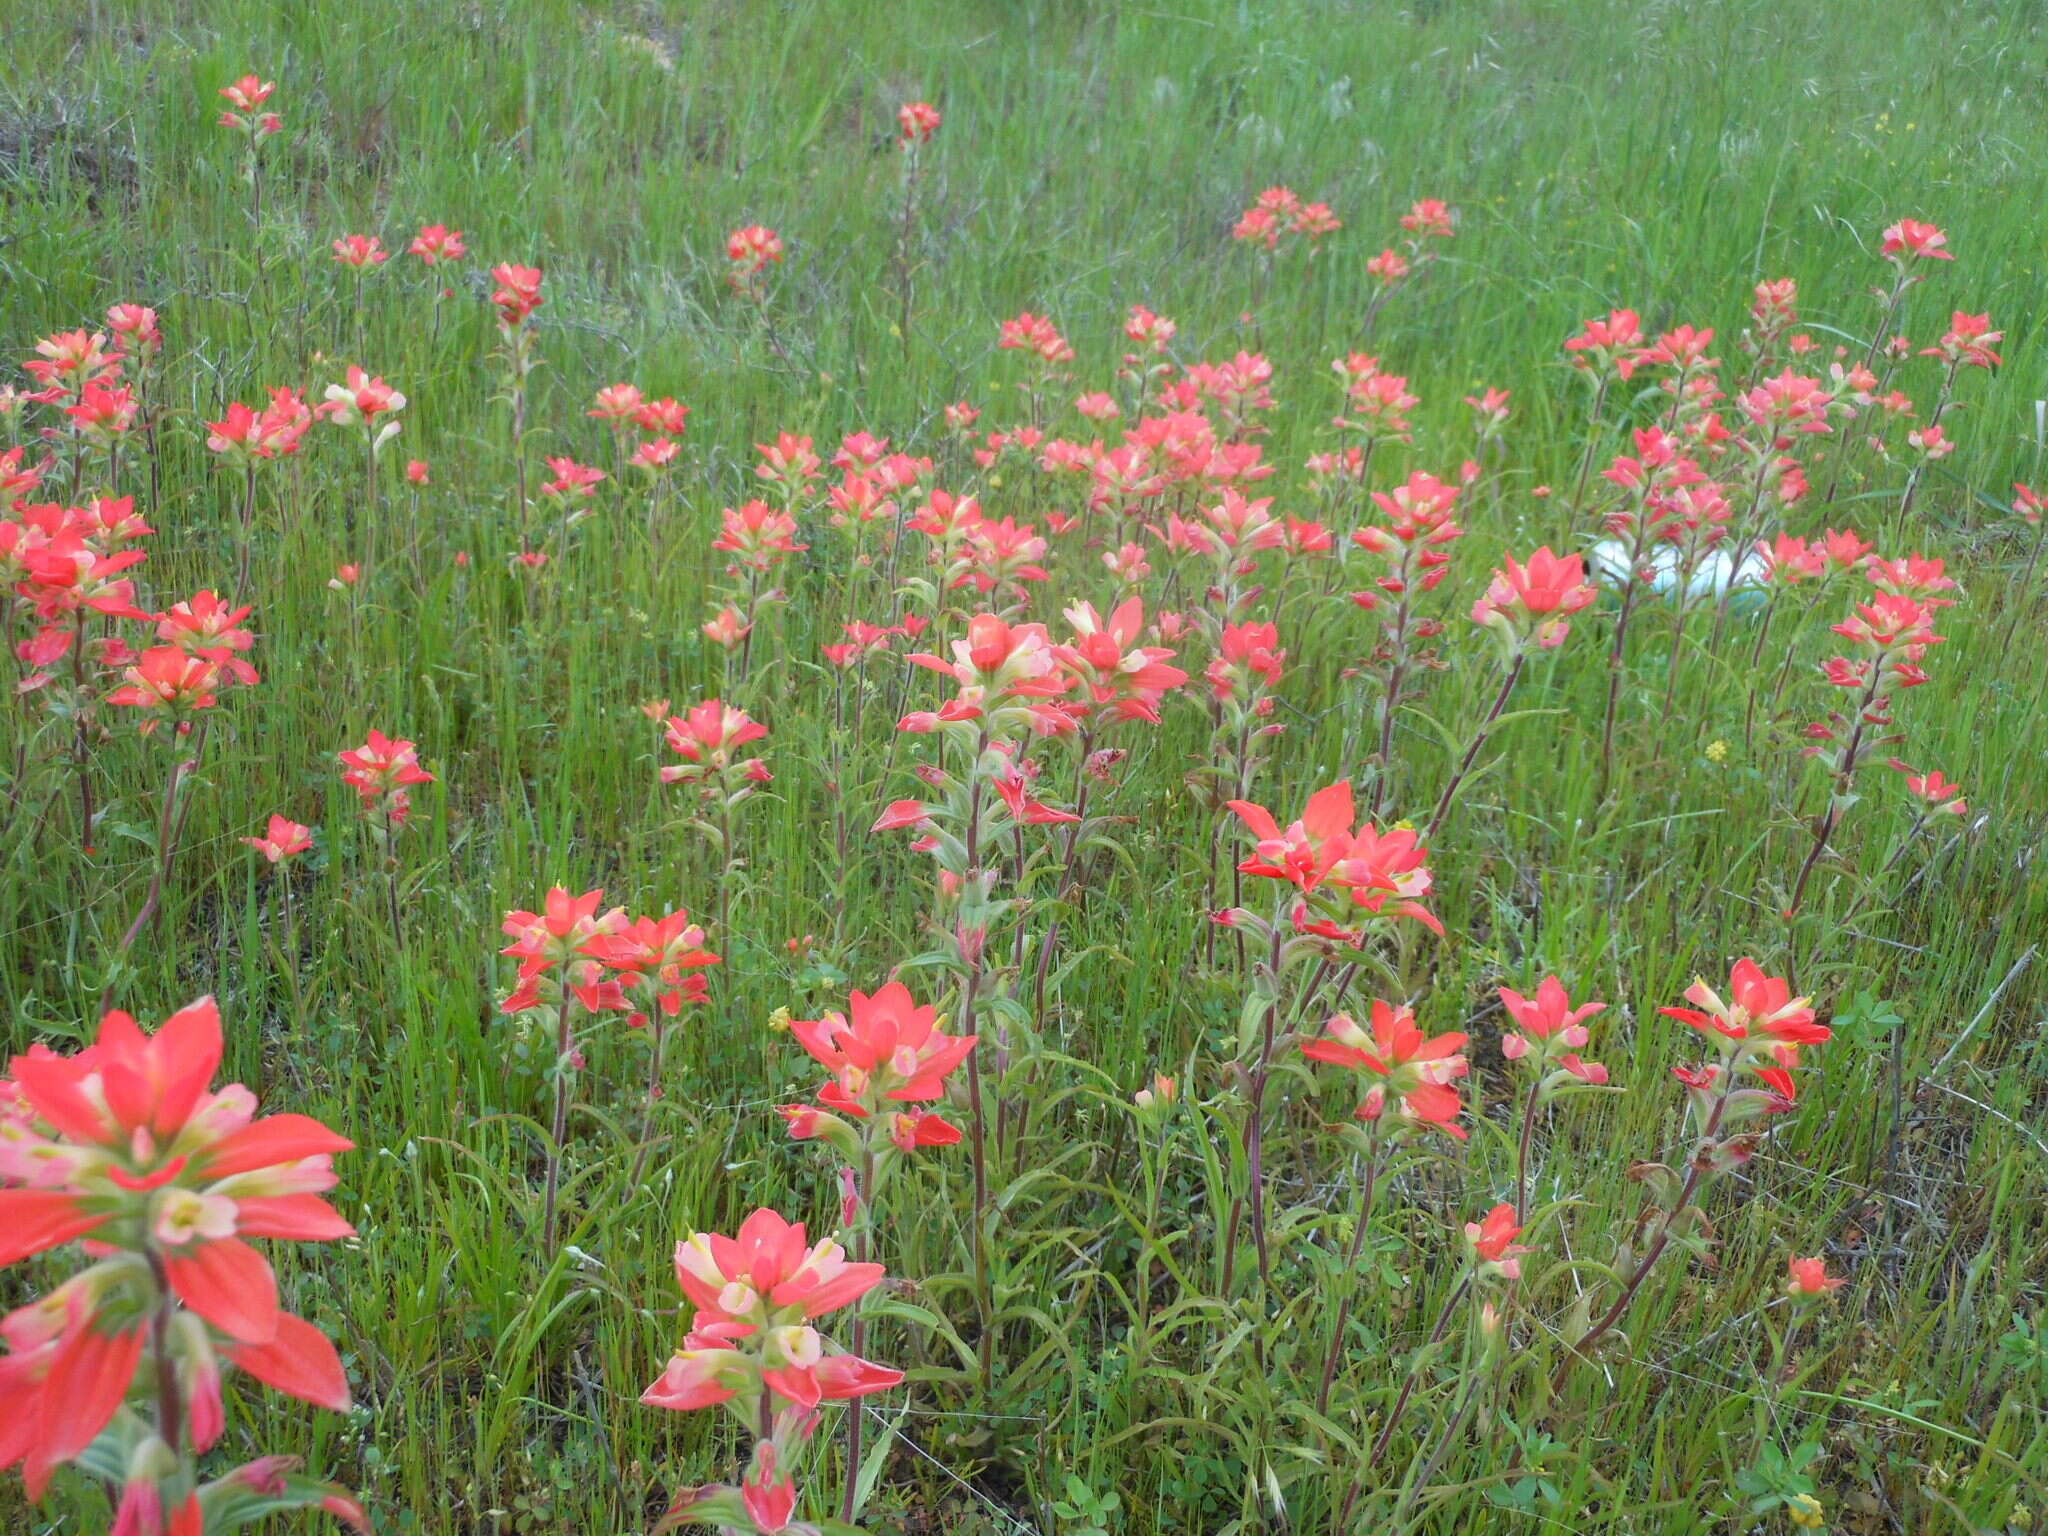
(1112, 674)
(1278, 213)
(364, 402)
(708, 738)
(1424, 227)
(1419, 524)
(1038, 336)
(916, 122)
(1492, 1240)
(1007, 674)
(1348, 881)
(517, 295)
(749, 252)
(70, 565)
(1404, 1070)
(1549, 1034)
(1532, 604)
(658, 963)
(886, 1055)
(1246, 668)
(245, 97)
(752, 1348)
(245, 436)
(126, 1146)
(383, 773)
(604, 960)
(554, 949)
(1758, 1032)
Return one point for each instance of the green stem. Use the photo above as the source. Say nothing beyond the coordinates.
(1367, 1187)
(1500, 702)
(1695, 1177)
(559, 1128)
(863, 1252)
(166, 841)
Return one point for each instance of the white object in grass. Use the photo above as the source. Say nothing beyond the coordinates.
(1717, 572)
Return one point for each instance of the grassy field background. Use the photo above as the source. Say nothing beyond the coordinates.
(1661, 155)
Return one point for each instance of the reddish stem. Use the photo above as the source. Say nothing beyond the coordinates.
(1500, 702)
(1695, 1176)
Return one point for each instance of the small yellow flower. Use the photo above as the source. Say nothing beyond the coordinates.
(1717, 751)
(778, 1021)
(1805, 1511)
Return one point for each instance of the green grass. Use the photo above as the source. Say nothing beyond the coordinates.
(1661, 155)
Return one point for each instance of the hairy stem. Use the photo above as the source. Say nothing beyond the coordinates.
(1500, 702)
(1367, 1184)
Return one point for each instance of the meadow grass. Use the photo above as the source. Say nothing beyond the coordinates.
(1664, 156)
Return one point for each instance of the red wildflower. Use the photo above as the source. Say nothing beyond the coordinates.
(1413, 1070)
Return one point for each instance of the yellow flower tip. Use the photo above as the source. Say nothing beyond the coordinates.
(778, 1021)
(1717, 751)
